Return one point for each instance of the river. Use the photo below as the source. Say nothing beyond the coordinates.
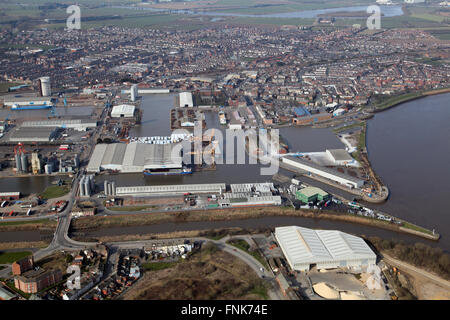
(386, 11)
(409, 148)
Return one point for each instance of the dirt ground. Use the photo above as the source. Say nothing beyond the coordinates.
(427, 290)
(154, 201)
(205, 275)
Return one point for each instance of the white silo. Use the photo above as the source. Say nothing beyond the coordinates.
(105, 187)
(45, 87)
(48, 168)
(87, 188)
(81, 184)
(24, 162)
(134, 92)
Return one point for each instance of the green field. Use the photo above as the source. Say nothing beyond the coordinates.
(155, 266)
(351, 126)
(131, 208)
(415, 17)
(19, 223)
(394, 100)
(55, 192)
(10, 257)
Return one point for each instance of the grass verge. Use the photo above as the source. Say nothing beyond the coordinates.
(55, 192)
(155, 266)
(10, 257)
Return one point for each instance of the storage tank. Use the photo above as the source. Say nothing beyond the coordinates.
(105, 187)
(76, 161)
(48, 168)
(91, 182)
(113, 188)
(133, 92)
(81, 184)
(87, 187)
(109, 189)
(45, 87)
(18, 163)
(24, 162)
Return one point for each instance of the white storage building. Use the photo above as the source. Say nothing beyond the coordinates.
(327, 249)
(76, 124)
(123, 111)
(186, 100)
(340, 157)
(324, 172)
(170, 189)
(134, 157)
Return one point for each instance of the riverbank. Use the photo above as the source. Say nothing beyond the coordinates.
(397, 100)
(88, 224)
(30, 225)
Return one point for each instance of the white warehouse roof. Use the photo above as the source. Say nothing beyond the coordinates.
(171, 189)
(186, 99)
(325, 172)
(134, 157)
(123, 110)
(303, 247)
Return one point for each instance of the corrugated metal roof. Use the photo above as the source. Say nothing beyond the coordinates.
(134, 157)
(186, 99)
(311, 191)
(323, 169)
(308, 246)
(125, 109)
(339, 155)
(172, 188)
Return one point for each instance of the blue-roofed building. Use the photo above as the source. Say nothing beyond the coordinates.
(301, 112)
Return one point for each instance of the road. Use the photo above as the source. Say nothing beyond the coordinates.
(416, 271)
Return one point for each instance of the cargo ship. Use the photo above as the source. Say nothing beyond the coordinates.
(167, 172)
(31, 107)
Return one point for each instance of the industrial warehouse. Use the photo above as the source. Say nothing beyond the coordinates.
(123, 111)
(135, 157)
(309, 194)
(170, 189)
(32, 102)
(186, 100)
(237, 195)
(34, 134)
(325, 249)
(324, 172)
(76, 124)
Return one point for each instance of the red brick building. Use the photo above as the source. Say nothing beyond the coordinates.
(22, 265)
(312, 119)
(34, 281)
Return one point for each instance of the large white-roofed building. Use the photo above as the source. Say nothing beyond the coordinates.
(330, 174)
(327, 249)
(123, 111)
(186, 99)
(76, 124)
(134, 157)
